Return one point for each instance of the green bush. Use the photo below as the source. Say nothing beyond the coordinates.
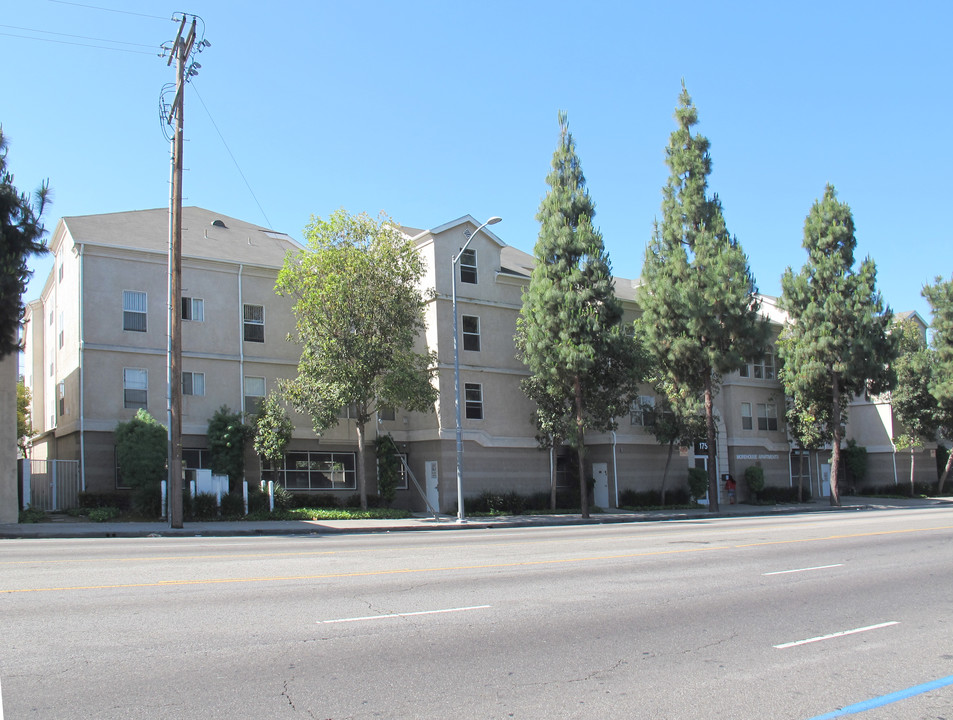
(315, 500)
(141, 449)
(204, 506)
(754, 478)
(31, 515)
(354, 501)
(284, 499)
(855, 463)
(497, 503)
(697, 483)
(103, 514)
(775, 494)
(110, 499)
(257, 501)
(650, 498)
(233, 505)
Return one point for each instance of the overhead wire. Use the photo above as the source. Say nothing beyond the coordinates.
(232, 156)
(81, 37)
(67, 42)
(105, 9)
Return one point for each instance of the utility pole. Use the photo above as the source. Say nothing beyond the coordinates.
(180, 51)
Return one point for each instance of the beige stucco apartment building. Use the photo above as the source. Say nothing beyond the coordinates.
(96, 350)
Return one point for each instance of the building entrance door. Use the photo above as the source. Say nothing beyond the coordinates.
(433, 484)
(825, 480)
(600, 493)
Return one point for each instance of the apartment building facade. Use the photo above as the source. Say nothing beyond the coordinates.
(96, 351)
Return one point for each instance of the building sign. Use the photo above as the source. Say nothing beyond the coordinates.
(701, 447)
(761, 456)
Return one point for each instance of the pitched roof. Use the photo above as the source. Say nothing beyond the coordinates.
(205, 234)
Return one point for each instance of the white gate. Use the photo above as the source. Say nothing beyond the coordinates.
(53, 484)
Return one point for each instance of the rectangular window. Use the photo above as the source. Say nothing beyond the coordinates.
(62, 330)
(473, 392)
(193, 383)
(314, 471)
(61, 394)
(468, 266)
(386, 414)
(642, 411)
(402, 470)
(254, 393)
(798, 467)
(135, 387)
(764, 368)
(254, 323)
(134, 304)
(746, 422)
(61, 272)
(471, 332)
(745, 370)
(767, 416)
(196, 458)
(193, 309)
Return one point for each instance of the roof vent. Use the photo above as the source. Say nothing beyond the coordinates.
(218, 223)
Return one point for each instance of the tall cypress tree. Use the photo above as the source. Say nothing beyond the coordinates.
(940, 297)
(698, 297)
(584, 367)
(836, 344)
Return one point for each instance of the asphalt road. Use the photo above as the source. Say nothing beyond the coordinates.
(782, 617)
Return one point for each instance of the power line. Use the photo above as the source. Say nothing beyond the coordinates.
(81, 37)
(228, 149)
(67, 42)
(94, 7)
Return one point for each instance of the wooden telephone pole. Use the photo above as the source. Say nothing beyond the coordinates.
(181, 52)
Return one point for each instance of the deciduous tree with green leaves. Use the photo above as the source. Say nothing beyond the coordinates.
(273, 430)
(359, 311)
(21, 236)
(940, 297)
(584, 367)
(914, 406)
(836, 344)
(700, 306)
(227, 434)
(24, 421)
(142, 447)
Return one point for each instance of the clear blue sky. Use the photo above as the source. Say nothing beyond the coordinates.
(432, 110)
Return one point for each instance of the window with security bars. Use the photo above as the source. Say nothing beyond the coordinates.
(254, 323)
(134, 307)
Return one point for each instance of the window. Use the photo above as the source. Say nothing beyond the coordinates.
(61, 394)
(642, 411)
(134, 305)
(135, 387)
(746, 423)
(313, 471)
(471, 332)
(400, 458)
(473, 392)
(797, 467)
(62, 330)
(196, 458)
(254, 323)
(767, 416)
(763, 368)
(61, 272)
(193, 309)
(468, 266)
(254, 393)
(386, 414)
(193, 383)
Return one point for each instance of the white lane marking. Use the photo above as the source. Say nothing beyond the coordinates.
(818, 567)
(836, 635)
(397, 615)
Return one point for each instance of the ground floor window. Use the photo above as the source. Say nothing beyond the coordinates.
(801, 470)
(314, 471)
(196, 458)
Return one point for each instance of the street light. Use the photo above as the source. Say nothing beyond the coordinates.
(456, 365)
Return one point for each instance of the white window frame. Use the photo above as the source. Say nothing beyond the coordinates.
(642, 411)
(473, 401)
(135, 380)
(135, 304)
(252, 400)
(252, 323)
(472, 336)
(468, 267)
(767, 416)
(193, 383)
(747, 423)
(193, 309)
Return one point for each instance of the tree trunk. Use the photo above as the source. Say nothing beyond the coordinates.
(835, 449)
(946, 473)
(668, 461)
(710, 426)
(800, 474)
(359, 469)
(552, 475)
(581, 451)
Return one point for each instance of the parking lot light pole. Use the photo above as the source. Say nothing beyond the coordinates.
(461, 517)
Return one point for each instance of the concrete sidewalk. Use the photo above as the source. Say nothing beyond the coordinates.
(237, 528)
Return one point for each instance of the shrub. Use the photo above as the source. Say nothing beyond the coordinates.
(775, 494)
(388, 468)
(855, 463)
(754, 477)
(497, 503)
(354, 501)
(257, 501)
(204, 507)
(141, 449)
(315, 500)
(233, 505)
(31, 515)
(697, 483)
(650, 498)
(284, 500)
(103, 514)
(98, 500)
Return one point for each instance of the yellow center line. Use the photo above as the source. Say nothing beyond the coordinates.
(487, 566)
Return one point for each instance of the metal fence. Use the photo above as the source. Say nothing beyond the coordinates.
(53, 484)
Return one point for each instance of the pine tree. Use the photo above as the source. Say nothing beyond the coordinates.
(584, 367)
(836, 344)
(940, 297)
(698, 297)
(914, 406)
